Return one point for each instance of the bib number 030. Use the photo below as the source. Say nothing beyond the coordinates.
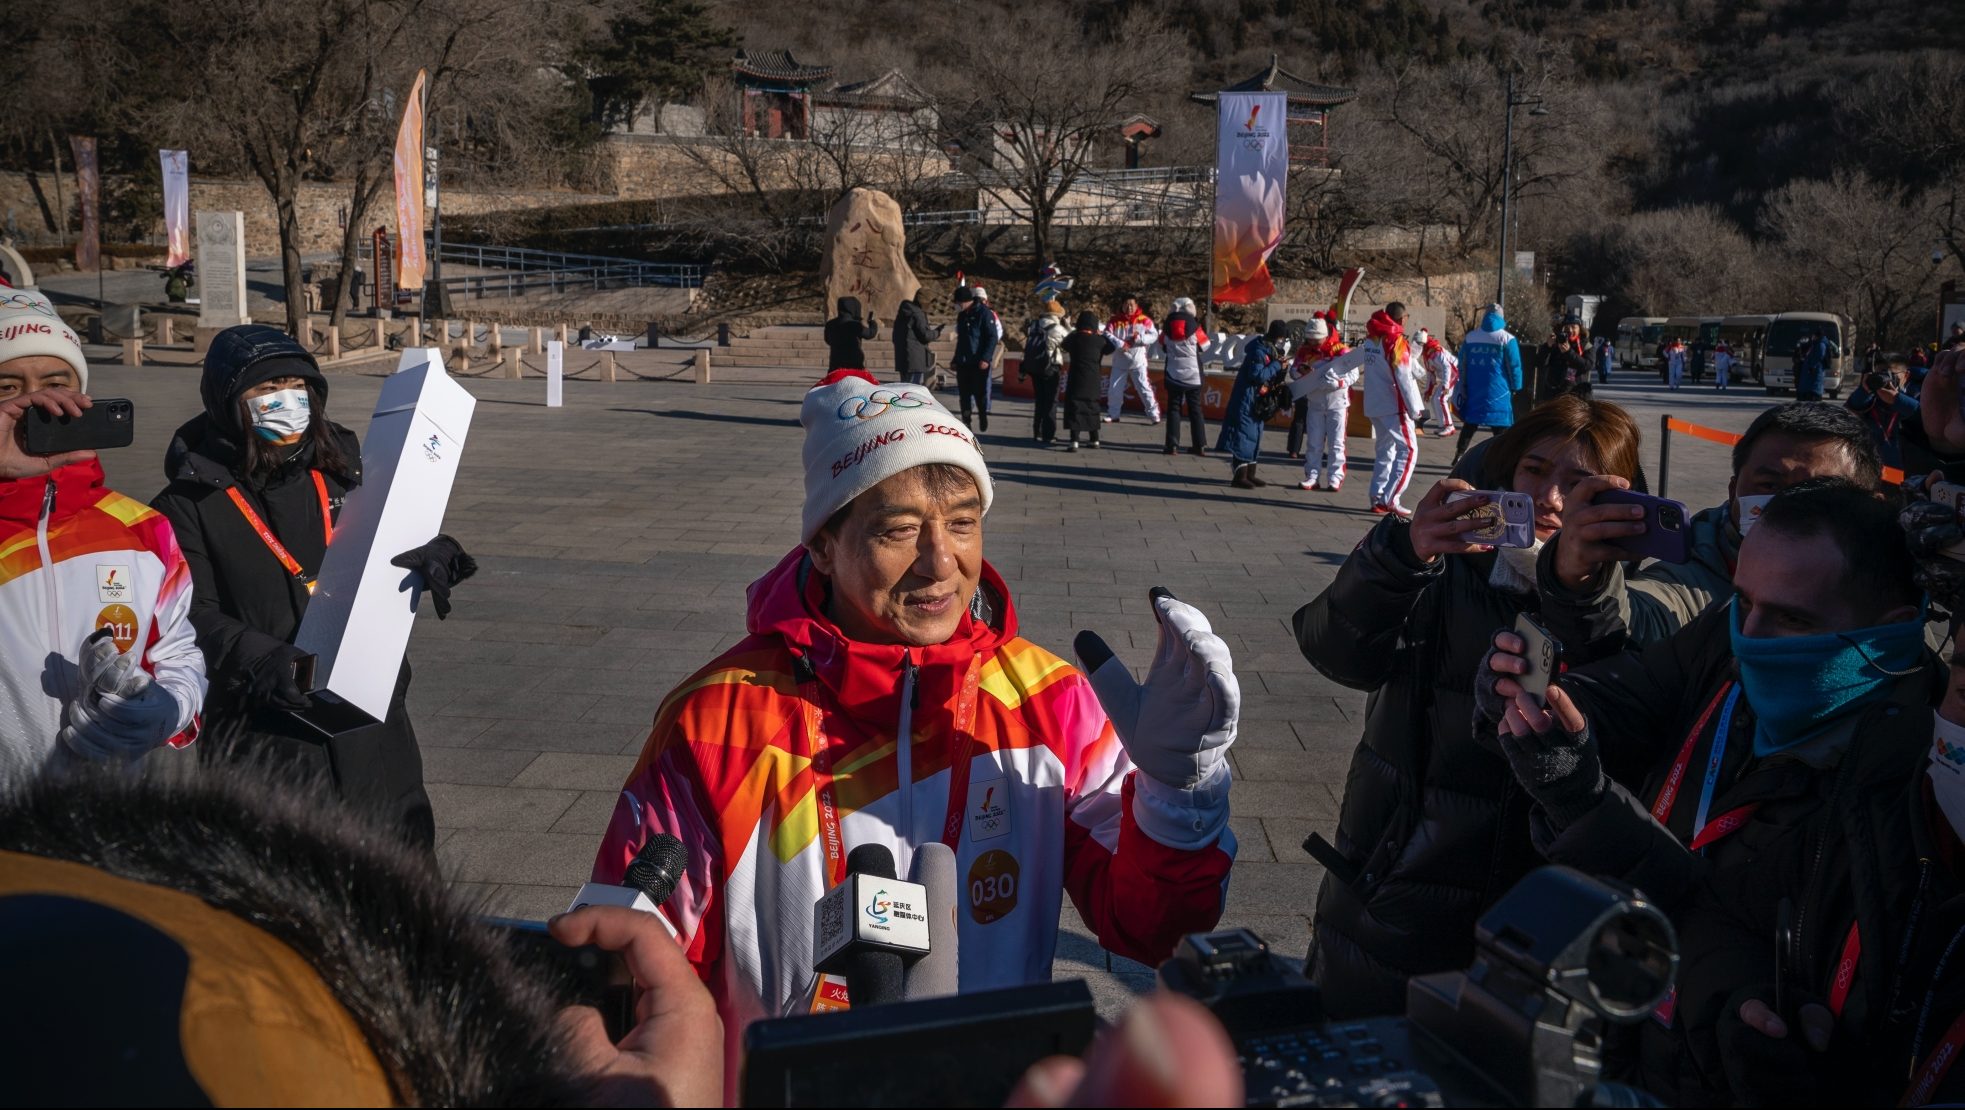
(993, 881)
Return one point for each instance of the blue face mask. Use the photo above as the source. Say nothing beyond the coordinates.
(1799, 685)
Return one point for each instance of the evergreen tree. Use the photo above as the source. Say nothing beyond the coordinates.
(659, 49)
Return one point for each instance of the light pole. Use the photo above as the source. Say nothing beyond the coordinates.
(1536, 108)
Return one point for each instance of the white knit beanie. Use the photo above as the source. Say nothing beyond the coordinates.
(29, 325)
(1315, 329)
(859, 433)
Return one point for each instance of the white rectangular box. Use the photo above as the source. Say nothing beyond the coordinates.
(358, 622)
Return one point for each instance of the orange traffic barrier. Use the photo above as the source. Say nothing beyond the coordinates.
(1672, 424)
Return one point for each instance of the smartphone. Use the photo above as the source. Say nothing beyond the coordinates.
(1945, 493)
(1667, 534)
(109, 423)
(584, 976)
(1543, 652)
(1510, 517)
(303, 672)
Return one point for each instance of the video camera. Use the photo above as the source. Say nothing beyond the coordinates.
(1559, 956)
(1556, 958)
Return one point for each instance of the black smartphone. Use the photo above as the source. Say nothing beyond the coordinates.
(109, 423)
(303, 672)
(1543, 652)
(584, 976)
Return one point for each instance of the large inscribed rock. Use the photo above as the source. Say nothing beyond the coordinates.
(864, 255)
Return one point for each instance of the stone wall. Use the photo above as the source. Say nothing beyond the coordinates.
(321, 206)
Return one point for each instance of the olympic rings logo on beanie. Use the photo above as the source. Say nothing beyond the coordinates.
(870, 405)
(31, 302)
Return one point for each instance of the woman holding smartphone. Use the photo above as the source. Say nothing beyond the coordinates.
(256, 483)
(1433, 828)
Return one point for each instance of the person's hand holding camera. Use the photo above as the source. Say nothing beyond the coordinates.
(1587, 543)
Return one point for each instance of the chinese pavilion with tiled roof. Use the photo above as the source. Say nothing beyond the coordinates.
(1309, 108)
(777, 91)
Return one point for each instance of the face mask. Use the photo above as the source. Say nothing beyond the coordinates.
(1799, 685)
(1947, 771)
(1514, 568)
(1750, 509)
(281, 417)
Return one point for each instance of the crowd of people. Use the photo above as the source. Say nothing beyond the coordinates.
(1761, 734)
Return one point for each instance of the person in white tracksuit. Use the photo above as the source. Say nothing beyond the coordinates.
(1445, 372)
(1390, 375)
(1132, 333)
(1675, 363)
(1328, 391)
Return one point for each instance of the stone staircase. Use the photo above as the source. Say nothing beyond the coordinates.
(794, 346)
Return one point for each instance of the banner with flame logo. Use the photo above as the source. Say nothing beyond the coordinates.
(1251, 172)
(409, 190)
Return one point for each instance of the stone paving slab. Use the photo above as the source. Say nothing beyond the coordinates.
(616, 537)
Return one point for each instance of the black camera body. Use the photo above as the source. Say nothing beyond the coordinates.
(1558, 958)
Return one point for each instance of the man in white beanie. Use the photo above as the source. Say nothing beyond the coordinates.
(883, 697)
(99, 661)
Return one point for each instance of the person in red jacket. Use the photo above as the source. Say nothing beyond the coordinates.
(883, 696)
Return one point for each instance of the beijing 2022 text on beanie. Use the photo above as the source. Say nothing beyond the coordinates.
(860, 432)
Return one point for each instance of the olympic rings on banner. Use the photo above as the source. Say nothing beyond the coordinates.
(877, 402)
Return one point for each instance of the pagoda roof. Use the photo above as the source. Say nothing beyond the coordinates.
(779, 65)
(891, 88)
(1277, 79)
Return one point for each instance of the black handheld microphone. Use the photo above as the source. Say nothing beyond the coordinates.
(870, 926)
(651, 878)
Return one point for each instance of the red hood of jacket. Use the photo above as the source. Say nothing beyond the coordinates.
(77, 486)
(788, 604)
(1391, 337)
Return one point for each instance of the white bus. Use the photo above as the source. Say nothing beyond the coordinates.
(1786, 331)
(1637, 341)
(1746, 337)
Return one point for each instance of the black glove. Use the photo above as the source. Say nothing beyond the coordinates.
(1930, 528)
(442, 564)
(1560, 770)
(1763, 1071)
(268, 683)
(1489, 705)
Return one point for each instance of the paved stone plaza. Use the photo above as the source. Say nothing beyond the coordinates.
(616, 537)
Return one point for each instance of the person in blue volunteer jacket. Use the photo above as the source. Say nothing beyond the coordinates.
(1241, 428)
(1490, 376)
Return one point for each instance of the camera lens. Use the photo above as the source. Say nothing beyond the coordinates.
(1630, 962)
(1668, 518)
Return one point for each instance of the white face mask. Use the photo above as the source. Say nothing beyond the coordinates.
(1750, 509)
(1514, 568)
(1947, 770)
(281, 417)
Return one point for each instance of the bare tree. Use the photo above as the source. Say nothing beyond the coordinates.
(1855, 246)
(292, 92)
(1038, 114)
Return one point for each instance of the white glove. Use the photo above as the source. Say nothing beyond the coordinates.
(119, 713)
(1178, 725)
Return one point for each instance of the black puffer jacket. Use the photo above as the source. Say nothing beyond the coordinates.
(911, 338)
(1433, 827)
(844, 333)
(245, 604)
(1820, 827)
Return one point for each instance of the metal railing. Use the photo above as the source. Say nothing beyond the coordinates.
(526, 269)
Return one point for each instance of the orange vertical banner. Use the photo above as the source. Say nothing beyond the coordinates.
(88, 188)
(410, 254)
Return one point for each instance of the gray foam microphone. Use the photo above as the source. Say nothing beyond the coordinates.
(939, 972)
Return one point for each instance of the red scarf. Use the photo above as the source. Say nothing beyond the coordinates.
(1390, 336)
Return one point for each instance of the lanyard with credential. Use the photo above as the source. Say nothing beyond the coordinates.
(1712, 765)
(273, 543)
(831, 839)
